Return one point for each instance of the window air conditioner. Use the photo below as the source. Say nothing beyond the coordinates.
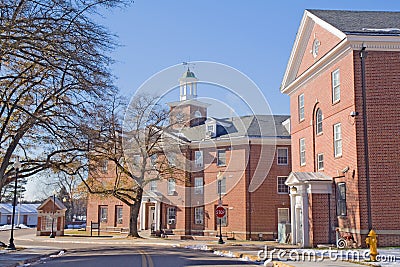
(171, 221)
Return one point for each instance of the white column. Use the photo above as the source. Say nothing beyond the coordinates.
(293, 221)
(157, 216)
(306, 234)
(142, 216)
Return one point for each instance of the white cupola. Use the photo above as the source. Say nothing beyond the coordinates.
(188, 86)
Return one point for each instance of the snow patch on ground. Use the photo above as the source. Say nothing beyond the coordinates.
(8, 227)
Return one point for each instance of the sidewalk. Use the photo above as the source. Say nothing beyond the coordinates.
(243, 250)
(9, 258)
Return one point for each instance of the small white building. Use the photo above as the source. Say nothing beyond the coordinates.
(24, 214)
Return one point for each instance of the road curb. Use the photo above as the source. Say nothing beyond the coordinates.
(248, 257)
(34, 259)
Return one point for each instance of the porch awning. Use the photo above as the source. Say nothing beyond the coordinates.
(306, 177)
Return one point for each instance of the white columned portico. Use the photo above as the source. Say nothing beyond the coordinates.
(302, 185)
(151, 200)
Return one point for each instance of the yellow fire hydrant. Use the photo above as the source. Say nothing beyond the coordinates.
(372, 242)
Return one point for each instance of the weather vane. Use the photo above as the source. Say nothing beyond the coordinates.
(188, 64)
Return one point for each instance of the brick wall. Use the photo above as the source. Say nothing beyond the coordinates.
(383, 95)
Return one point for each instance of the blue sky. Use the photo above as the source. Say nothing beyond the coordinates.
(255, 37)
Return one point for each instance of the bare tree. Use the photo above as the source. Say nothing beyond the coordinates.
(136, 152)
(54, 79)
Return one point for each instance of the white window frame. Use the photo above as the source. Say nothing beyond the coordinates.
(280, 158)
(198, 158)
(286, 215)
(153, 160)
(46, 223)
(171, 213)
(119, 215)
(171, 159)
(136, 160)
(320, 161)
(301, 107)
(103, 215)
(219, 161)
(104, 165)
(198, 185)
(171, 186)
(336, 86)
(153, 186)
(199, 215)
(337, 140)
(281, 188)
(223, 186)
(318, 119)
(302, 150)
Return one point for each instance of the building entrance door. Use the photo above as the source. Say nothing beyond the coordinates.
(151, 220)
(299, 225)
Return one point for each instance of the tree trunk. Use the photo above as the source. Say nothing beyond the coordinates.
(134, 213)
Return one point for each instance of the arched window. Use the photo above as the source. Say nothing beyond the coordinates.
(318, 126)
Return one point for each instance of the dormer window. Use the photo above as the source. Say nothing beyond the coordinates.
(211, 129)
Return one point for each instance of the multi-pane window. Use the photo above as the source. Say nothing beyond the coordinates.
(171, 186)
(118, 214)
(282, 155)
(320, 161)
(171, 215)
(335, 86)
(199, 215)
(282, 187)
(223, 220)
(302, 145)
(283, 215)
(221, 186)
(198, 158)
(153, 160)
(46, 223)
(103, 214)
(221, 157)
(301, 107)
(337, 139)
(318, 125)
(171, 159)
(341, 208)
(153, 186)
(198, 185)
(136, 160)
(104, 165)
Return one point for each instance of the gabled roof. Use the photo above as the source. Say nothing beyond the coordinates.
(58, 204)
(343, 24)
(361, 22)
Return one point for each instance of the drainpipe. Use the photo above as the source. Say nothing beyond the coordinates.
(248, 192)
(363, 56)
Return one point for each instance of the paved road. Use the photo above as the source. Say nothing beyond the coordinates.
(138, 256)
(115, 252)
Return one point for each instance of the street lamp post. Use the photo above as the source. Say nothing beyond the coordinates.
(219, 178)
(52, 234)
(17, 165)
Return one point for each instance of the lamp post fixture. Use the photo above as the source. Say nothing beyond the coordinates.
(219, 179)
(52, 234)
(17, 166)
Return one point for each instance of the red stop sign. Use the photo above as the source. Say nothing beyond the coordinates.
(220, 212)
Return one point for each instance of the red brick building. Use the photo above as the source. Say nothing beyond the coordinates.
(249, 154)
(345, 157)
